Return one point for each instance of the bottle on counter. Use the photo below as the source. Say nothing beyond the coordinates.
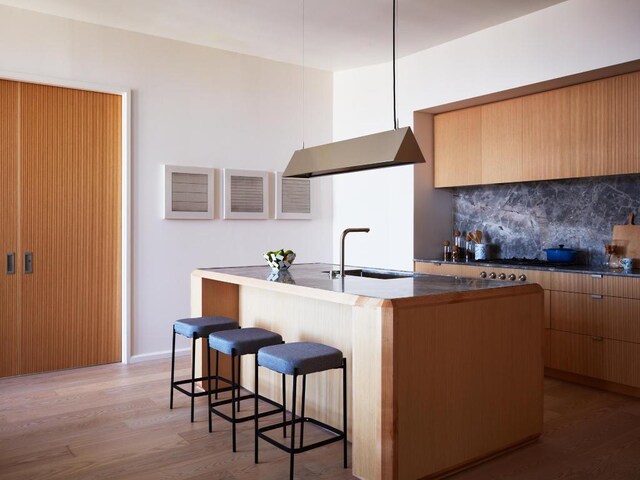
(447, 251)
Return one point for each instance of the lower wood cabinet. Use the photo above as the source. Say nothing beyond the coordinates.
(597, 315)
(593, 356)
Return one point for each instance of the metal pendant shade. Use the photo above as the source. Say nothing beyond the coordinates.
(385, 149)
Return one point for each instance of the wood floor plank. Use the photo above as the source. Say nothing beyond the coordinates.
(113, 422)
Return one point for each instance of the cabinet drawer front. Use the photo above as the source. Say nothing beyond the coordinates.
(605, 359)
(615, 286)
(459, 270)
(608, 317)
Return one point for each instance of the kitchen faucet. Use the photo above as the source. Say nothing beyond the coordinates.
(342, 238)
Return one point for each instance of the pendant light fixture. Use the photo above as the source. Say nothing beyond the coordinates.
(384, 149)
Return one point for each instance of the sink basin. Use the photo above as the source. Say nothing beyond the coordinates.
(374, 274)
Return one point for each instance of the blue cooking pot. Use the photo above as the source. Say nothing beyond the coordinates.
(561, 255)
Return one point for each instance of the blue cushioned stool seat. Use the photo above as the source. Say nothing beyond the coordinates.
(244, 341)
(300, 358)
(195, 329)
(203, 326)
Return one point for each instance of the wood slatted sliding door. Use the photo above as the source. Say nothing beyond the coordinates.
(70, 162)
(9, 283)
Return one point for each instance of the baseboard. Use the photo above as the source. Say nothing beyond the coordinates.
(144, 357)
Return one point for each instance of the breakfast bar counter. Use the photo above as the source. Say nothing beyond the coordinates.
(444, 372)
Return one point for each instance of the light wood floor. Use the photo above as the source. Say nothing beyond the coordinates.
(113, 422)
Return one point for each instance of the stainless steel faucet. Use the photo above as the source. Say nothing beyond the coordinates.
(344, 235)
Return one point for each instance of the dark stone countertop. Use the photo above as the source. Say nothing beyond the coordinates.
(408, 285)
(586, 269)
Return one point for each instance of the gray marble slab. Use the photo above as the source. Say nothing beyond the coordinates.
(522, 219)
(409, 285)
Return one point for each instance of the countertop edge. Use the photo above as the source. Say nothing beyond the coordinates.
(300, 290)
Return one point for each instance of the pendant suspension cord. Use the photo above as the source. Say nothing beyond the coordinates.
(395, 118)
(303, 74)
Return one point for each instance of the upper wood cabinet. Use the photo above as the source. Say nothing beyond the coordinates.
(458, 145)
(584, 130)
(546, 136)
(502, 141)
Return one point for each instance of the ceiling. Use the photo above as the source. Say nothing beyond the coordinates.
(338, 34)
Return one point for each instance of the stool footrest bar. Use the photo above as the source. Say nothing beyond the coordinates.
(176, 385)
(279, 408)
(338, 435)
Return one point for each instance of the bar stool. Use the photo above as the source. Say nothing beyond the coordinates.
(245, 341)
(302, 358)
(195, 328)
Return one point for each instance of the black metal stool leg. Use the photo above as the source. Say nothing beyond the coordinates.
(173, 365)
(233, 399)
(293, 425)
(304, 389)
(239, 379)
(255, 413)
(193, 374)
(284, 405)
(209, 387)
(217, 371)
(344, 408)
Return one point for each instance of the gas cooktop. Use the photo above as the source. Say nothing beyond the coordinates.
(525, 262)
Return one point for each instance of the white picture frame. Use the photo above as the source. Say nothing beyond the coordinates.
(188, 193)
(246, 194)
(293, 198)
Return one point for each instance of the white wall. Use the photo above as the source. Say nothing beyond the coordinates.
(568, 38)
(191, 106)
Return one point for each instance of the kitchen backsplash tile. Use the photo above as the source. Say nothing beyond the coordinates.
(522, 219)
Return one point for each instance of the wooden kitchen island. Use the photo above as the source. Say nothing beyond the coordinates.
(443, 371)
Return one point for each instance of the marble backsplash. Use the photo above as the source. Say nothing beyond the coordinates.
(521, 219)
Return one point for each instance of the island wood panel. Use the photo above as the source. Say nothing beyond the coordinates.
(608, 317)
(9, 211)
(458, 148)
(70, 207)
(300, 319)
(604, 359)
(547, 145)
(352, 327)
(472, 405)
(610, 285)
(210, 298)
(605, 125)
(501, 142)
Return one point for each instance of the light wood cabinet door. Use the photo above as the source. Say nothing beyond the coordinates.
(70, 221)
(502, 141)
(458, 148)
(547, 143)
(605, 124)
(597, 315)
(604, 359)
(9, 283)
(610, 285)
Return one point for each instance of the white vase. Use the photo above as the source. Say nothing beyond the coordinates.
(481, 251)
